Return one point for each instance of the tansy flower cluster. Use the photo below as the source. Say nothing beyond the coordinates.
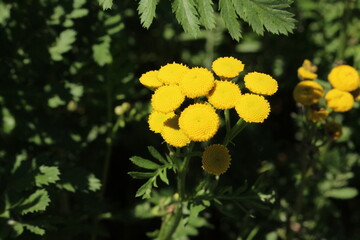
(318, 103)
(187, 101)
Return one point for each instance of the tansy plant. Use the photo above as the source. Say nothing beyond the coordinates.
(189, 107)
(322, 107)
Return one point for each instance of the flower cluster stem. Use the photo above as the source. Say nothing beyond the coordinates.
(171, 222)
(233, 132)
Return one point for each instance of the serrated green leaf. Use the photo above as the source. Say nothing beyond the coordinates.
(38, 201)
(145, 190)
(268, 14)
(106, 4)
(342, 193)
(101, 52)
(34, 229)
(146, 10)
(141, 175)
(156, 154)
(230, 18)
(206, 12)
(144, 163)
(47, 175)
(93, 183)
(163, 176)
(63, 44)
(187, 16)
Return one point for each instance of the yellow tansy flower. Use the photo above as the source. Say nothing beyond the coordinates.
(344, 77)
(260, 83)
(308, 92)
(252, 108)
(305, 74)
(167, 98)
(224, 95)
(156, 120)
(172, 73)
(227, 67)
(197, 82)
(317, 115)
(150, 79)
(216, 159)
(334, 130)
(172, 134)
(199, 122)
(339, 101)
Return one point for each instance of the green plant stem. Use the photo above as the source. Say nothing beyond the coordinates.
(170, 223)
(238, 127)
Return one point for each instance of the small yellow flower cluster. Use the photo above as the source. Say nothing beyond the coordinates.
(345, 81)
(180, 122)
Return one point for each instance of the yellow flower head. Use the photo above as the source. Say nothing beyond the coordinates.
(307, 71)
(339, 101)
(216, 159)
(344, 77)
(308, 92)
(305, 74)
(150, 79)
(260, 83)
(167, 98)
(227, 67)
(317, 115)
(199, 122)
(172, 73)
(197, 82)
(156, 120)
(334, 130)
(252, 108)
(224, 95)
(172, 134)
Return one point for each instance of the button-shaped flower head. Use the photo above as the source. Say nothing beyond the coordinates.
(150, 79)
(224, 95)
(172, 73)
(344, 77)
(339, 101)
(167, 98)
(216, 159)
(172, 134)
(227, 67)
(199, 122)
(197, 82)
(252, 108)
(260, 83)
(156, 120)
(308, 92)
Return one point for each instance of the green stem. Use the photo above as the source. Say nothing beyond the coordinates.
(170, 223)
(239, 126)
(227, 120)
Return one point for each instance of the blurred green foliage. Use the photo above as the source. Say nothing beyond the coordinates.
(66, 65)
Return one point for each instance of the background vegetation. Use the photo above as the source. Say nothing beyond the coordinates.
(64, 149)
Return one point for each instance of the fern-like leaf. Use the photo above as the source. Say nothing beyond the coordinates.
(106, 4)
(187, 16)
(268, 14)
(230, 18)
(146, 10)
(206, 12)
